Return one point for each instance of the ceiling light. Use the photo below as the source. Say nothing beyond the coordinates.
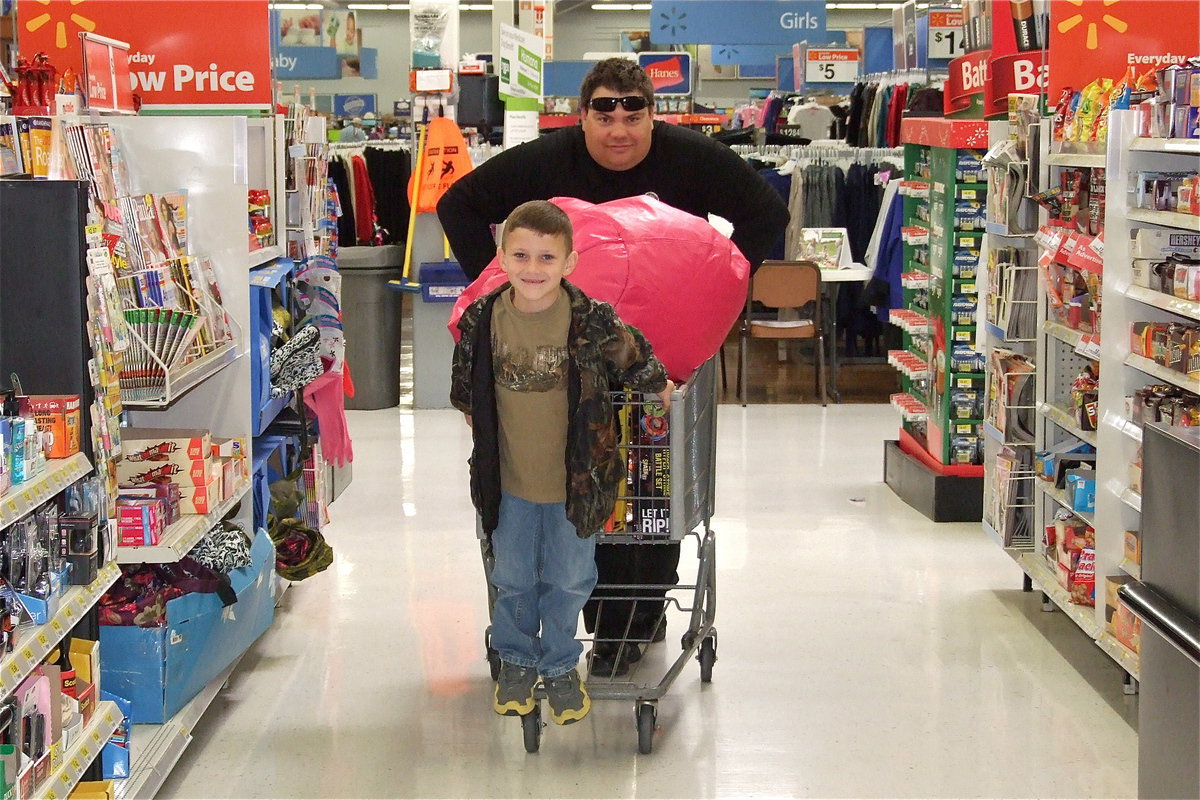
(474, 6)
(612, 6)
(296, 6)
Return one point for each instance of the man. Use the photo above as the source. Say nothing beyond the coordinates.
(617, 151)
(353, 132)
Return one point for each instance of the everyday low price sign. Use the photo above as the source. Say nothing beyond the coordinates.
(946, 33)
(831, 65)
(177, 57)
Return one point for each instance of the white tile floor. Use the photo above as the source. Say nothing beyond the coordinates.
(863, 651)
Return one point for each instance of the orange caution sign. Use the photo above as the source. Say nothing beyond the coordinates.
(444, 161)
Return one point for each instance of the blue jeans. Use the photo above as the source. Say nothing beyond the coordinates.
(543, 575)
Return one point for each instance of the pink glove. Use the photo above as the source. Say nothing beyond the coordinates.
(324, 398)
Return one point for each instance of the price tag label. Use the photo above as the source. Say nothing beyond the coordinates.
(831, 65)
(970, 194)
(946, 34)
(56, 626)
(965, 429)
(85, 751)
(69, 612)
(1097, 245)
(43, 639)
(13, 669)
(11, 506)
(1089, 346)
(75, 765)
(27, 654)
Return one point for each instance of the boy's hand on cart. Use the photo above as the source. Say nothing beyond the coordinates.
(665, 394)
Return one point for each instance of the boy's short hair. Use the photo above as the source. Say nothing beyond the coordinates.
(540, 216)
(619, 74)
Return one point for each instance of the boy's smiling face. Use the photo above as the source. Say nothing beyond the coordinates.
(535, 263)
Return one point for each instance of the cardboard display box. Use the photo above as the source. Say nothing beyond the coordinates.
(161, 669)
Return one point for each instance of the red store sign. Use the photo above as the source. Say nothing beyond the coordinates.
(182, 54)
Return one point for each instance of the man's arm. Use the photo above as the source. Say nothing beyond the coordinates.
(738, 193)
(481, 198)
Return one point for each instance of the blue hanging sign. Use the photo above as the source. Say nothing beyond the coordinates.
(310, 63)
(757, 21)
(748, 53)
(671, 73)
(353, 105)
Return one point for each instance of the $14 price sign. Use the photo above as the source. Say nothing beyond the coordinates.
(831, 65)
(946, 33)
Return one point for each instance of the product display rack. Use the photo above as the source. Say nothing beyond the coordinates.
(1062, 352)
(935, 466)
(105, 720)
(221, 401)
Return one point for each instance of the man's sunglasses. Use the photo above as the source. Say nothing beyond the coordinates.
(606, 105)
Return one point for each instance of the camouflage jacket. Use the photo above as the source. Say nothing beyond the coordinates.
(604, 353)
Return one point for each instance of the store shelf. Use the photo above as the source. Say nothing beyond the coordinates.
(1062, 333)
(1176, 305)
(1077, 159)
(1184, 146)
(1124, 425)
(1043, 577)
(34, 642)
(182, 380)
(79, 756)
(999, 229)
(1132, 499)
(1063, 419)
(1126, 658)
(1060, 496)
(25, 497)
(910, 408)
(264, 255)
(178, 539)
(155, 749)
(1157, 370)
(1168, 219)
(1131, 569)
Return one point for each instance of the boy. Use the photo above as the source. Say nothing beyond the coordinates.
(532, 371)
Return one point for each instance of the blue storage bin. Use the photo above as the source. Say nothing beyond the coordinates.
(266, 282)
(442, 281)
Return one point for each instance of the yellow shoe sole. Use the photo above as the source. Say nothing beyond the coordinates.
(572, 714)
(513, 708)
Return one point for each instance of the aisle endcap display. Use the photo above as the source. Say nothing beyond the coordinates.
(949, 133)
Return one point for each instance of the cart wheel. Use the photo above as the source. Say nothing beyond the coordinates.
(707, 657)
(493, 656)
(531, 727)
(646, 719)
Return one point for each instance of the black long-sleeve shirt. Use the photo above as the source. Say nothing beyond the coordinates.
(684, 168)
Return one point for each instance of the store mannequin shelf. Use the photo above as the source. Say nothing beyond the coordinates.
(88, 747)
(25, 497)
(34, 642)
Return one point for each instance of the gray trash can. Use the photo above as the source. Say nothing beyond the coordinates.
(371, 320)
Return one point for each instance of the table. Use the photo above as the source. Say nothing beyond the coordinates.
(831, 282)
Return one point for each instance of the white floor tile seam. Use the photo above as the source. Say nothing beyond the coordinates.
(863, 653)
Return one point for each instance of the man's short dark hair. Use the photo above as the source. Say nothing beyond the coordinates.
(621, 75)
(540, 216)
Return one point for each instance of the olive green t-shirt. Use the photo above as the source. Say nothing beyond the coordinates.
(529, 356)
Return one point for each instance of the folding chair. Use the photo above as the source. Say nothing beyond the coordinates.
(780, 285)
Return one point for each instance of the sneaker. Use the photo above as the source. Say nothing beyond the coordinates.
(568, 697)
(604, 663)
(514, 690)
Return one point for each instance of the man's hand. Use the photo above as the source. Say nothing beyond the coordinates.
(665, 395)
(470, 424)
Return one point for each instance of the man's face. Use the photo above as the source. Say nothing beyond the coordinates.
(617, 139)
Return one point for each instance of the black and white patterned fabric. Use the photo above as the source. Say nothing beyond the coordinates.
(224, 548)
(297, 363)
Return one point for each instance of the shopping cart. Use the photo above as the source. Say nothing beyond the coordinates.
(668, 498)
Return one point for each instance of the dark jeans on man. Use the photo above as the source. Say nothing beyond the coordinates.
(634, 617)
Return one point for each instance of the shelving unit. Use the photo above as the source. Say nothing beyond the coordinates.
(179, 538)
(25, 497)
(34, 642)
(1167, 219)
(941, 254)
(79, 756)
(157, 748)
(1076, 159)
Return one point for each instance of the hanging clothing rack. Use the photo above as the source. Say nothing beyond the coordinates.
(792, 152)
(385, 144)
